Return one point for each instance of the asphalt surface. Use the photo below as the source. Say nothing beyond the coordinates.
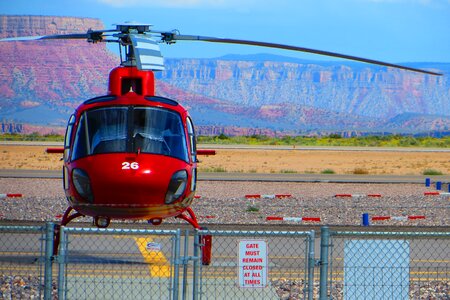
(268, 177)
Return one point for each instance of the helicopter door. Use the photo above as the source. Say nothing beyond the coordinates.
(193, 146)
(192, 139)
(68, 137)
(67, 146)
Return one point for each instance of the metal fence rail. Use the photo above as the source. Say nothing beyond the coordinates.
(388, 265)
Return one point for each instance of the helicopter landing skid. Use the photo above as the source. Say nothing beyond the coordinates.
(190, 218)
(205, 240)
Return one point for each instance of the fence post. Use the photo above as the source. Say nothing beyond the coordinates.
(324, 247)
(48, 276)
(62, 253)
(176, 265)
(195, 282)
(311, 265)
(185, 263)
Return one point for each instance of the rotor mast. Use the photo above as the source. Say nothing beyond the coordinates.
(124, 31)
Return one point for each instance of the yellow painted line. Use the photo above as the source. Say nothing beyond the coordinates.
(431, 260)
(413, 260)
(160, 237)
(411, 279)
(158, 264)
(19, 253)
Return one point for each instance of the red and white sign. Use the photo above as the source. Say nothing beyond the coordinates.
(252, 263)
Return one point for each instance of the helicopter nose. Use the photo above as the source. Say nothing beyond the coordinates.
(147, 179)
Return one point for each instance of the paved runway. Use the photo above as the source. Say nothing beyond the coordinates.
(269, 177)
(264, 147)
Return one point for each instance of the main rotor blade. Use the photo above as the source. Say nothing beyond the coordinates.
(91, 36)
(48, 37)
(176, 37)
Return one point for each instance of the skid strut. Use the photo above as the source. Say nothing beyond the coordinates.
(67, 217)
(205, 240)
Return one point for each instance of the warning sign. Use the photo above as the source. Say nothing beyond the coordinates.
(252, 263)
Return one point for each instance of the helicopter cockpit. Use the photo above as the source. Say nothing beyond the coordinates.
(118, 129)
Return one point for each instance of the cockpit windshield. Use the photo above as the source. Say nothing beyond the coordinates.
(130, 129)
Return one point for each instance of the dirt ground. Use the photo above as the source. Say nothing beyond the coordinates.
(268, 161)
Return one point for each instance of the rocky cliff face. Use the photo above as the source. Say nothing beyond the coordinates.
(42, 81)
(39, 78)
(13, 26)
(319, 95)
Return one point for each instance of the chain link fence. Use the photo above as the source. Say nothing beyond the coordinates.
(25, 262)
(388, 265)
(259, 265)
(118, 264)
(167, 264)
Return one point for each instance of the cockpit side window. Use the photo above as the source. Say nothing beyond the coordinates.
(79, 145)
(68, 137)
(193, 146)
(192, 139)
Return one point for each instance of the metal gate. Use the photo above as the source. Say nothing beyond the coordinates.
(258, 265)
(166, 264)
(118, 264)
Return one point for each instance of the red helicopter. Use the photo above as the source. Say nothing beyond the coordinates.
(131, 154)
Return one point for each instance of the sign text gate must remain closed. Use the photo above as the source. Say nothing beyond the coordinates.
(252, 263)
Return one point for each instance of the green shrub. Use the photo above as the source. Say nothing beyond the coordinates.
(328, 171)
(252, 208)
(431, 172)
(288, 171)
(213, 170)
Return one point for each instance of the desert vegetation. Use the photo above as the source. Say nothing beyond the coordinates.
(330, 140)
(293, 160)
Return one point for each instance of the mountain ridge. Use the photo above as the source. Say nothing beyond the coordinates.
(43, 81)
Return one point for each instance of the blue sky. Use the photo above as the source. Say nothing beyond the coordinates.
(391, 30)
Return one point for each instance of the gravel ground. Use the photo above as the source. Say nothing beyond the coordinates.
(225, 202)
(22, 287)
(293, 289)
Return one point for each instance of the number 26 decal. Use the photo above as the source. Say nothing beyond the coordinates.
(127, 165)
